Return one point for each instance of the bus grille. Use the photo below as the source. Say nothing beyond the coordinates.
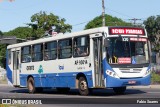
(130, 70)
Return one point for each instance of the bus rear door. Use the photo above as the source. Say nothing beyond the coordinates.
(16, 66)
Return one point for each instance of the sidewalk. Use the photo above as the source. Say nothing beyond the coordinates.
(3, 85)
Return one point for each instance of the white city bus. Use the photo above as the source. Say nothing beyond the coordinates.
(105, 57)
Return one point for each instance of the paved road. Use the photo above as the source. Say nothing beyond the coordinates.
(132, 94)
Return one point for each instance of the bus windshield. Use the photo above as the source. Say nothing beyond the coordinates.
(127, 50)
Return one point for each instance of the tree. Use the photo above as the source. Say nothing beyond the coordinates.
(2, 55)
(20, 32)
(152, 25)
(109, 21)
(2, 52)
(41, 22)
(1, 33)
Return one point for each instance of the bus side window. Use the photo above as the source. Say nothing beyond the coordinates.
(9, 57)
(50, 52)
(37, 54)
(81, 46)
(26, 54)
(65, 48)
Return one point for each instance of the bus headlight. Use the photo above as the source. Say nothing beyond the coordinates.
(111, 73)
(147, 72)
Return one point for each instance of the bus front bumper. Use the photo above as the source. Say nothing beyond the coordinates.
(117, 82)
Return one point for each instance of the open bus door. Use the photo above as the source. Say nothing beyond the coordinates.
(97, 60)
(16, 66)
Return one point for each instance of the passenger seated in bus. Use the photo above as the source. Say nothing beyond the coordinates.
(46, 56)
(27, 58)
(79, 52)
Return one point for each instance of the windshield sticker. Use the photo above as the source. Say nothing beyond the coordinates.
(133, 60)
(124, 60)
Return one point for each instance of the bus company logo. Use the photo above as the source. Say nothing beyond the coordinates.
(40, 70)
(6, 101)
(61, 67)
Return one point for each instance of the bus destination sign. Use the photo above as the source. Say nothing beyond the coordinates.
(126, 31)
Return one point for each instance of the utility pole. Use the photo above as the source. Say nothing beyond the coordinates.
(103, 13)
(134, 20)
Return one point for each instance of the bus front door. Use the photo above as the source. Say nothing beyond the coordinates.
(98, 71)
(16, 67)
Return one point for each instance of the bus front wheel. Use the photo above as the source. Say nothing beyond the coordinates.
(82, 86)
(31, 85)
(119, 90)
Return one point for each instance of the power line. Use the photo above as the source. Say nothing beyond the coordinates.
(120, 13)
(81, 23)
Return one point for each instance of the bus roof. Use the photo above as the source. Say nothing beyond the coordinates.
(67, 35)
(59, 36)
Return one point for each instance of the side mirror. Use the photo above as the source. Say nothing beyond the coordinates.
(106, 42)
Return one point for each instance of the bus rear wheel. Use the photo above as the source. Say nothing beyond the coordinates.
(83, 87)
(119, 90)
(31, 85)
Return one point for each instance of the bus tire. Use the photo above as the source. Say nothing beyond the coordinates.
(119, 90)
(83, 86)
(31, 85)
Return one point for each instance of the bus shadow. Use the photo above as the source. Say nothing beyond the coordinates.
(97, 92)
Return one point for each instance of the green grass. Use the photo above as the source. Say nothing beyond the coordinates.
(155, 78)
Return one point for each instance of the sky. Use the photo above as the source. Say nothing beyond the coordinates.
(76, 12)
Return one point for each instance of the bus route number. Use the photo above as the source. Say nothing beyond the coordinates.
(124, 39)
(81, 62)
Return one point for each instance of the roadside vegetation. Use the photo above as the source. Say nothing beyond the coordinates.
(155, 77)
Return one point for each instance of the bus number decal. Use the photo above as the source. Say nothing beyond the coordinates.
(30, 68)
(81, 62)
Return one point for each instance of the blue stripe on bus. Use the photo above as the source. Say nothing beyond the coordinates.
(9, 73)
(56, 79)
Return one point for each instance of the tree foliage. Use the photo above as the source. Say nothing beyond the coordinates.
(152, 25)
(41, 22)
(2, 55)
(2, 52)
(1, 33)
(109, 21)
(20, 32)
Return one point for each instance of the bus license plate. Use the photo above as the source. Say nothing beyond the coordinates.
(131, 82)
